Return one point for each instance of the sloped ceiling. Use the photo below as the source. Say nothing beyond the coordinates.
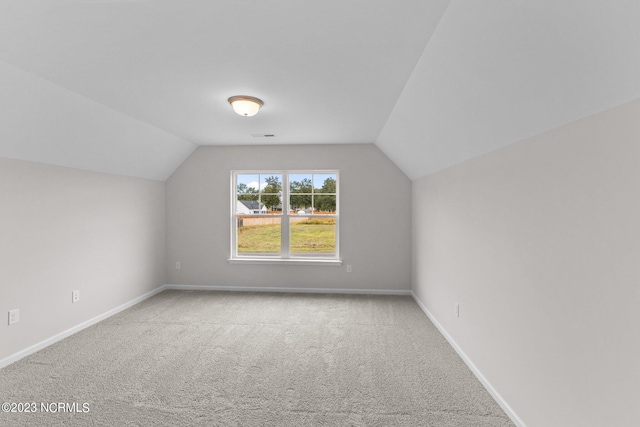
(134, 86)
(498, 71)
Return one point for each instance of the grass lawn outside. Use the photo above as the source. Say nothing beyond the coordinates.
(316, 235)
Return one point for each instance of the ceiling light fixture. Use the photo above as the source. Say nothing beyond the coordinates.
(246, 106)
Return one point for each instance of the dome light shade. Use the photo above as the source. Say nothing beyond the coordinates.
(246, 106)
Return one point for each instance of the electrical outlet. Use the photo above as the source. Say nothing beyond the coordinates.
(75, 296)
(178, 265)
(348, 268)
(14, 316)
(456, 309)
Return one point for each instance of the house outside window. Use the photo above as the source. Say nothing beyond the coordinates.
(285, 215)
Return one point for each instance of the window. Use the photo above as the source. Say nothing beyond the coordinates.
(284, 215)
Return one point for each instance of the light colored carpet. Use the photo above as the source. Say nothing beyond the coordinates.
(254, 359)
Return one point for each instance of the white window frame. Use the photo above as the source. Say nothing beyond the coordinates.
(285, 256)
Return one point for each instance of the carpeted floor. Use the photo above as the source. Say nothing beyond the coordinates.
(205, 358)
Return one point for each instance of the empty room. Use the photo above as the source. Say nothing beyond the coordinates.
(336, 213)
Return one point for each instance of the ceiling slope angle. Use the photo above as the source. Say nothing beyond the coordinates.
(42, 122)
(497, 72)
(328, 72)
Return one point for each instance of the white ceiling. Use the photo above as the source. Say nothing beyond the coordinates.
(498, 71)
(133, 86)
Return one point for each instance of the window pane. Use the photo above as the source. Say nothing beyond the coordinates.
(324, 204)
(248, 207)
(324, 182)
(247, 186)
(312, 236)
(271, 193)
(270, 204)
(259, 235)
(301, 182)
(271, 183)
(300, 203)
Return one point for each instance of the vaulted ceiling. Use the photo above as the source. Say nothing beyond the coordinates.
(134, 86)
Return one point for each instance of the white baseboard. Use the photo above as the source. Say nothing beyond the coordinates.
(487, 385)
(292, 290)
(62, 335)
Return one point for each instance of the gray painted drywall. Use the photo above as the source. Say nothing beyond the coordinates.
(65, 229)
(375, 218)
(539, 242)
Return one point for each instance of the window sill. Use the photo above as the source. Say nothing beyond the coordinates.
(287, 261)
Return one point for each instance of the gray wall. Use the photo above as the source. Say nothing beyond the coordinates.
(375, 218)
(539, 242)
(64, 229)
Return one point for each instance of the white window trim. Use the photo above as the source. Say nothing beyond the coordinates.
(286, 261)
(285, 256)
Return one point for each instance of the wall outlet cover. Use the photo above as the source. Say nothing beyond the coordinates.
(14, 316)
